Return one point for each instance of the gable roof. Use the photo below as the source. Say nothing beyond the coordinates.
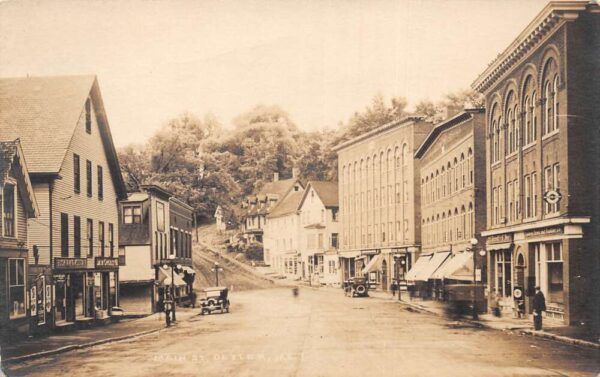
(288, 205)
(280, 187)
(11, 157)
(327, 192)
(457, 119)
(43, 113)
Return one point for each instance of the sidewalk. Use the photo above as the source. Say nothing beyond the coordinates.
(56, 343)
(552, 330)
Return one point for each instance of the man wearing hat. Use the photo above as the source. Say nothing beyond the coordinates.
(539, 305)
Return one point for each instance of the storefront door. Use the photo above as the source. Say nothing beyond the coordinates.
(77, 283)
(60, 302)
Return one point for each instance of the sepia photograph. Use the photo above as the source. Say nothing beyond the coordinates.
(310, 188)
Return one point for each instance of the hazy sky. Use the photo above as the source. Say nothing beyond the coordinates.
(319, 60)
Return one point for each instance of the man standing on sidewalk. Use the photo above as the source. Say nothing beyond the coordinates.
(539, 305)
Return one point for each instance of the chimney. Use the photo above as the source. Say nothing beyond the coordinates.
(275, 177)
(295, 172)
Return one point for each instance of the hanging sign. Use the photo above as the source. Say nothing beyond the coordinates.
(552, 196)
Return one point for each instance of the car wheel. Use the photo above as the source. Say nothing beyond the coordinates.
(361, 289)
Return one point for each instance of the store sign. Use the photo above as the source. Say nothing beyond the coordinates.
(102, 262)
(544, 232)
(69, 263)
(500, 238)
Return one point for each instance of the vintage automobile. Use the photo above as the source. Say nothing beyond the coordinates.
(356, 287)
(215, 299)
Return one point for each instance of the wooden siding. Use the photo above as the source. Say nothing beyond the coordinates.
(39, 227)
(65, 200)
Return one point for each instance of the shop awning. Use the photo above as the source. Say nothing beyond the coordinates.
(164, 277)
(463, 268)
(432, 264)
(451, 265)
(419, 265)
(374, 264)
(498, 246)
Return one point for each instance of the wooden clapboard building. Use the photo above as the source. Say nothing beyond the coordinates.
(64, 132)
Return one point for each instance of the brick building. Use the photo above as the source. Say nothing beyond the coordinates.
(379, 193)
(453, 208)
(542, 123)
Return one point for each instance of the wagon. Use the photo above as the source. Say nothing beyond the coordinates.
(215, 299)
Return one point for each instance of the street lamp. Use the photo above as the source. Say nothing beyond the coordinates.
(399, 261)
(172, 265)
(473, 248)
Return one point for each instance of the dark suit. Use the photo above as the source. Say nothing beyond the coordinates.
(539, 306)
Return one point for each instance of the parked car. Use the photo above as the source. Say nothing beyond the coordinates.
(215, 299)
(356, 287)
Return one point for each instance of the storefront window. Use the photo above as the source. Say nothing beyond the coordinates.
(503, 273)
(555, 271)
(16, 288)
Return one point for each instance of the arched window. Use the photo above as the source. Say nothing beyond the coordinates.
(463, 222)
(511, 130)
(550, 100)
(443, 178)
(555, 101)
(463, 173)
(431, 189)
(548, 109)
(437, 185)
(495, 139)
(444, 226)
(471, 219)
(528, 106)
(455, 174)
(456, 224)
(512, 123)
(470, 165)
(449, 221)
(405, 155)
(449, 177)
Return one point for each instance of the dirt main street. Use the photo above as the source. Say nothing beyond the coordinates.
(320, 333)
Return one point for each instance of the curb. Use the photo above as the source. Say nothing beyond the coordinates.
(533, 333)
(559, 338)
(78, 346)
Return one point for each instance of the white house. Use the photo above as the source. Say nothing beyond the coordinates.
(319, 233)
(282, 234)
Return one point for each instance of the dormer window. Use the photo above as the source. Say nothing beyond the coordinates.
(88, 116)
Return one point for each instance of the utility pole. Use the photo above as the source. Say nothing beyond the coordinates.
(195, 225)
(216, 270)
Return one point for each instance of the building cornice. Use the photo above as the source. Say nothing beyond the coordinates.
(397, 123)
(554, 15)
(538, 224)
